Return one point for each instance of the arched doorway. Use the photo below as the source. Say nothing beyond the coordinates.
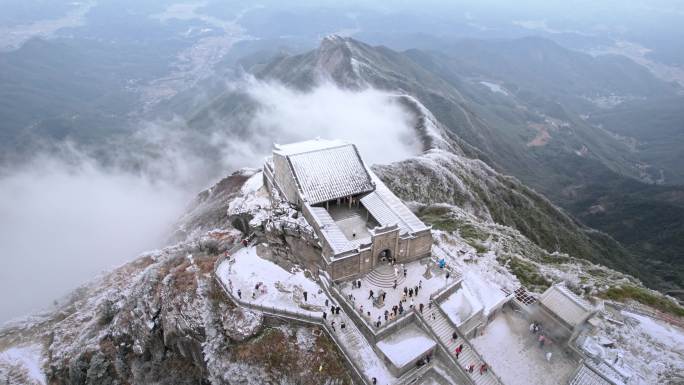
(385, 256)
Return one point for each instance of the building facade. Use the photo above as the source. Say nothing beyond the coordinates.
(359, 222)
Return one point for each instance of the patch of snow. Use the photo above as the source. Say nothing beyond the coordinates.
(278, 287)
(487, 293)
(405, 345)
(28, 357)
(662, 333)
(460, 306)
(254, 183)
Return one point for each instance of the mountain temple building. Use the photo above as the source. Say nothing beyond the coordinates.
(359, 222)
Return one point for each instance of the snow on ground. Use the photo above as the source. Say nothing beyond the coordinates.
(661, 333)
(253, 199)
(652, 349)
(460, 305)
(246, 269)
(515, 356)
(414, 278)
(488, 294)
(29, 358)
(405, 345)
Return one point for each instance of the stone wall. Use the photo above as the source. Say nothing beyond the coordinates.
(345, 268)
(285, 179)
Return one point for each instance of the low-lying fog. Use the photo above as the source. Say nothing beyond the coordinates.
(64, 219)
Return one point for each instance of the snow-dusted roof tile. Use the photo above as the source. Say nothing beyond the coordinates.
(566, 305)
(332, 233)
(329, 173)
(388, 209)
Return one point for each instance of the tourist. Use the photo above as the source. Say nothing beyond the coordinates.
(532, 328)
(326, 301)
(371, 295)
(395, 285)
(332, 309)
(427, 358)
(421, 308)
(337, 310)
(420, 284)
(548, 356)
(386, 315)
(405, 290)
(383, 296)
(374, 380)
(369, 315)
(430, 303)
(433, 316)
(377, 324)
(541, 340)
(332, 325)
(471, 368)
(325, 315)
(447, 275)
(342, 325)
(483, 368)
(454, 336)
(239, 293)
(305, 296)
(361, 309)
(405, 272)
(411, 304)
(410, 292)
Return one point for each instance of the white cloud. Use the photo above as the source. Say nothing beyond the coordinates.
(372, 119)
(61, 224)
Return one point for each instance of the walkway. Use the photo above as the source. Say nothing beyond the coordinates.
(444, 329)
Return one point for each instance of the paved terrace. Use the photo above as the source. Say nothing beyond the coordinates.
(381, 280)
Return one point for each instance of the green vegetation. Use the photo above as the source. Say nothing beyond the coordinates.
(439, 217)
(645, 297)
(480, 248)
(528, 274)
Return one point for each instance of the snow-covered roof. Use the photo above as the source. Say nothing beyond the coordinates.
(387, 209)
(566, 305)
(326, 169)
(332, 233)
(406, 345)
(586, 376)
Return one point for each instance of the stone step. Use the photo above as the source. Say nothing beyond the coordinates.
(383, 276)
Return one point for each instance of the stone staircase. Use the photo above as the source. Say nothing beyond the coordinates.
(443, 328)
(383, 276)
